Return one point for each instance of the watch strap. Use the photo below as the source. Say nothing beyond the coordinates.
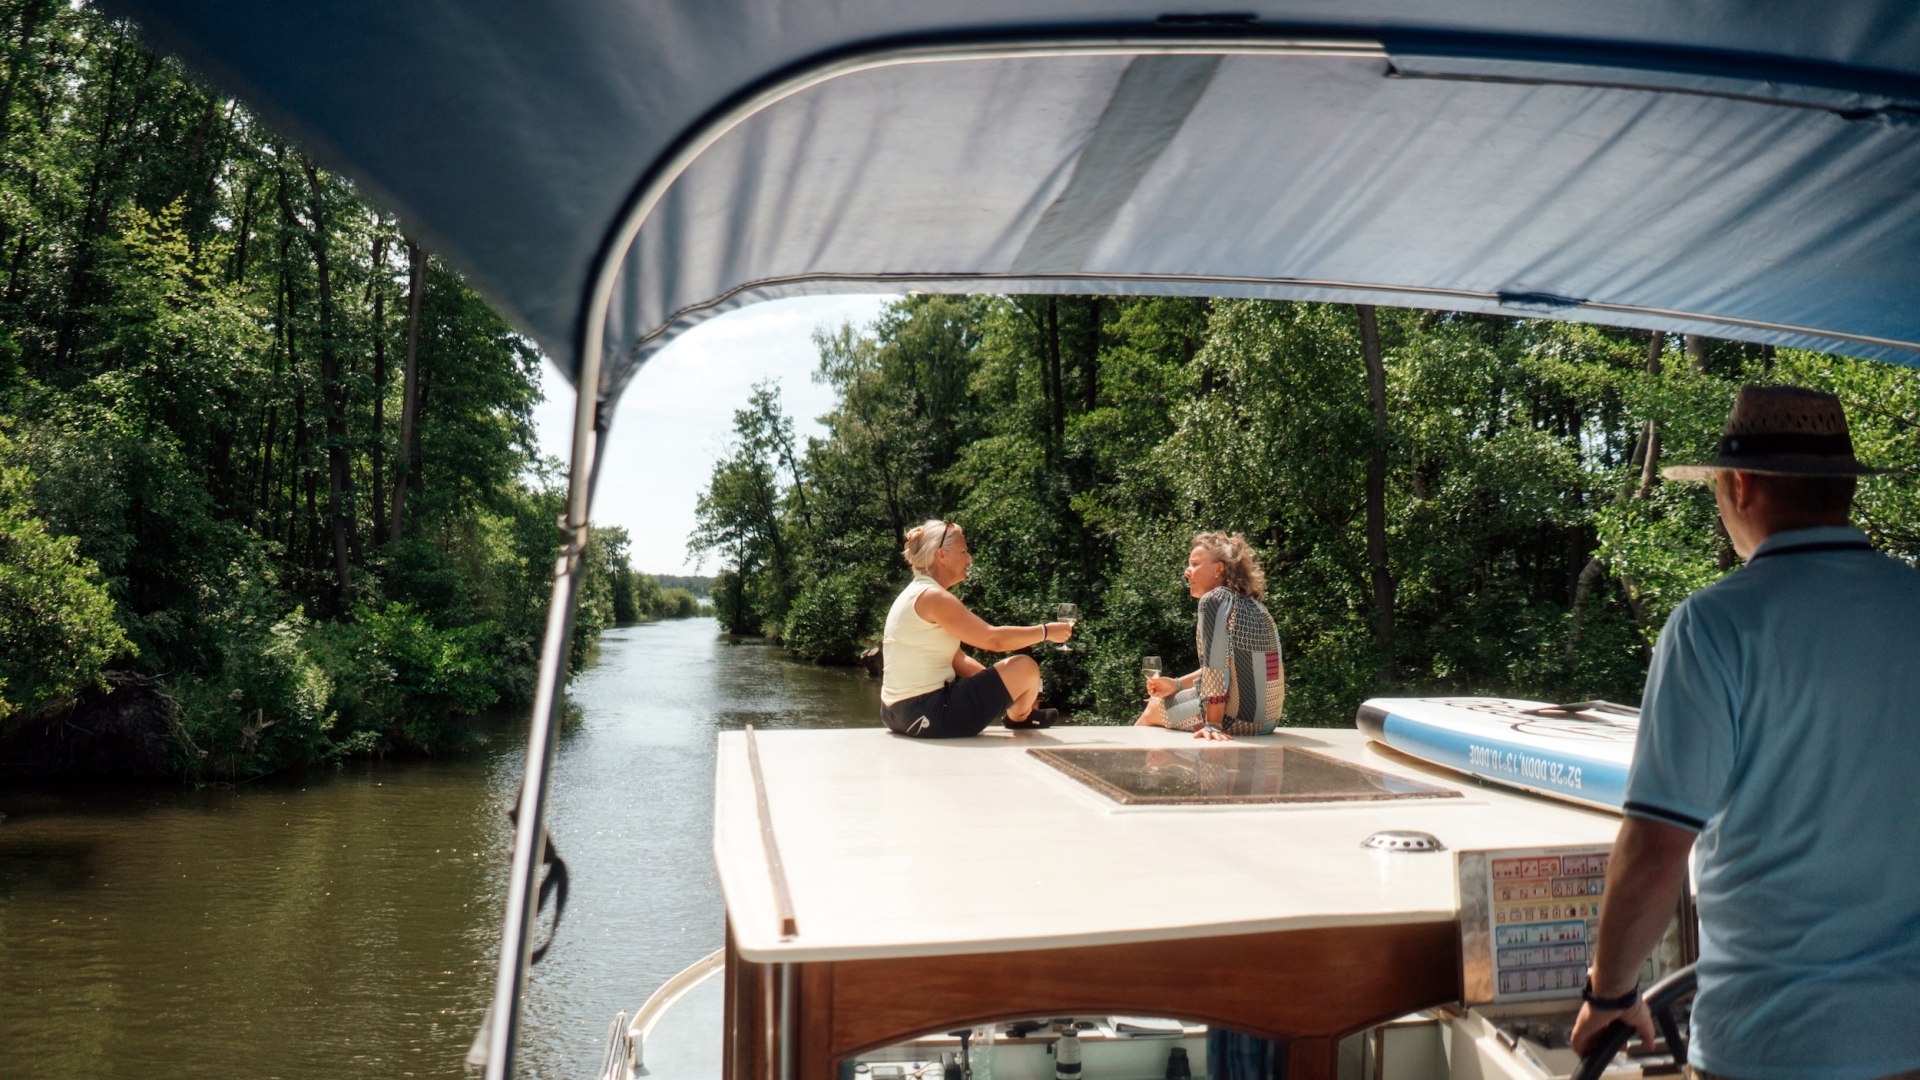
(1611, 1004)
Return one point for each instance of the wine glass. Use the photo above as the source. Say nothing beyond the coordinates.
(1150, 667)
(1069, 614)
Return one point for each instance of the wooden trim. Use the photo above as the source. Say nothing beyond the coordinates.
(740, 1051)
(1316, 1057)
(815, 985)
(1306, 987)
(776, 869)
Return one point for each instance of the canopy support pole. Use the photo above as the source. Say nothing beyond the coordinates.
(499, 1034)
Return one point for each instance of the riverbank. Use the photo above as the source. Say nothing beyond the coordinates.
(134, 728)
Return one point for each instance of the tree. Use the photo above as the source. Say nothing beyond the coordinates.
(1427, 489)
(190, 307)
(57, 627)
(403, 473)
(739, 515)
(1378, 569)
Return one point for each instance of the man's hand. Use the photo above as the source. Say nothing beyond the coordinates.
(1645, 877)
(1592, 1021)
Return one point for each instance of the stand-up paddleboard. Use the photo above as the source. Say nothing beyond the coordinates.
(1578, 752)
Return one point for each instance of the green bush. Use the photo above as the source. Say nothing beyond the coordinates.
(266, 707)
(289, 691)
(676, 604)
(827, 622)
(57, 625)
(732, 604)
(1146, 611)
(400, 681)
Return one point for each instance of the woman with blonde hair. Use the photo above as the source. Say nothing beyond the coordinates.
(931, 688)
(1241, 682)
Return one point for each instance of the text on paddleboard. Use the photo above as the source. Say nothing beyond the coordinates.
(1524, 766)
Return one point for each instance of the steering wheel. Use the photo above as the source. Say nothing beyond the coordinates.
(1661, 999)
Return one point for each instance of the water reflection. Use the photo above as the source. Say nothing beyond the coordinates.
(345, 922)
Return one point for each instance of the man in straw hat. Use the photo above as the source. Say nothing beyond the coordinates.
(1777, 741)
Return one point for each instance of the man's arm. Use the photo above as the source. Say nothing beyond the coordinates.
(1644, 879)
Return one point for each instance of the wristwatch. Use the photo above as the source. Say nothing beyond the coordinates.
(1610, 1004)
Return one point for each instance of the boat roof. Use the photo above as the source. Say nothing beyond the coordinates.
(610, 172)
(894, 847)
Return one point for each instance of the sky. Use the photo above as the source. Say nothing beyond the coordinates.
(676, 417)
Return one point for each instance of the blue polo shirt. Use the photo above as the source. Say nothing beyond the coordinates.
(1782, 724)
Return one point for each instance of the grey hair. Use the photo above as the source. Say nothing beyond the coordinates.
(924, 541)
(1243, 573)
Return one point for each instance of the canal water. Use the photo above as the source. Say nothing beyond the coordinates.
(345, 923)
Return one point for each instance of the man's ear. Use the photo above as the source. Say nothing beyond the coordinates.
(1745, 491)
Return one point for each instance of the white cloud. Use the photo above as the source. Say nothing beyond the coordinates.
(676, 418)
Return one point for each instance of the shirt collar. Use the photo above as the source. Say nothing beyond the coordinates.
(1819, 534)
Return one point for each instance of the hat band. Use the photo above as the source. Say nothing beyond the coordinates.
(1773, 444)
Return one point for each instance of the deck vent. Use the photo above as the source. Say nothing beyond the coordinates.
(1403, 840)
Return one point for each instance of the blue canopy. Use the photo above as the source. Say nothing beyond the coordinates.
(610, 172)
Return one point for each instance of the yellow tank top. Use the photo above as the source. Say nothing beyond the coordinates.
(918, 655)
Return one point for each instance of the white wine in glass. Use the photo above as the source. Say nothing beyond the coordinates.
(1069, 614)
(1150, 667)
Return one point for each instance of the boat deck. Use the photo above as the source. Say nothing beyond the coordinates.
(924, 885)
(896, 847)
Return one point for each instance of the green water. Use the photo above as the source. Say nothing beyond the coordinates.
(345, 923)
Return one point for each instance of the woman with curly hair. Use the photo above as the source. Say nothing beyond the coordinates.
(931, 688)
(1241, 682)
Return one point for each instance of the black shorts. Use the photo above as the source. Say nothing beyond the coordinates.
(961, 708)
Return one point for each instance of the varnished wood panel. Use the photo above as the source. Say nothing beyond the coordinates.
(1309, 987)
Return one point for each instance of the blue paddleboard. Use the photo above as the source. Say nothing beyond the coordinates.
(1578, 753)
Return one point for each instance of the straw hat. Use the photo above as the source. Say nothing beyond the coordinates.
(1783, 431)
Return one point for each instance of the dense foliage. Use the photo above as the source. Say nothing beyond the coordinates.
(1442, 502)
(254, 441)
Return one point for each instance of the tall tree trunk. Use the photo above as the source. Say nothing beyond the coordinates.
(1056, 389)
(298, 529)
(21, 247)
(31, 13)
(245, 232)
(297, 417)
(333, 394)
(377, 482)
(66, 337)
(1090, 358)
(1646, 452)
(787, 458)
(410, 390)
(422, 405)
(889, 489)
(310, 488)
(199, 153)
(1378, 569)
(18, 263)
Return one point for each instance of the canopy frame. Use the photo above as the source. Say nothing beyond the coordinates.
(1180, 40)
